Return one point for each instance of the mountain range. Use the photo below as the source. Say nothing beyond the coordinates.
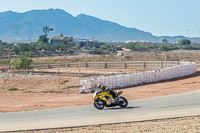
(21, 26)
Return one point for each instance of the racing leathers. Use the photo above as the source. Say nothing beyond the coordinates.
(104, 88)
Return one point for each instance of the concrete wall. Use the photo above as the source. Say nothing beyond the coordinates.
(125, 80)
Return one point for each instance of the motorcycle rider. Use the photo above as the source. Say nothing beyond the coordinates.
(105, 88)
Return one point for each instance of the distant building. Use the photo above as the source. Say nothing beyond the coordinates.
(83, 43)
(137, 41)
(88, 43)
(177, 40)
(61, 39)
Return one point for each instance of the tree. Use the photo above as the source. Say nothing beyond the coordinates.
(20, 47)
(23, 61)
(164, 48)
(164, 41)
(190, 47)
(70, 51)
(39, 47)
(130, 46)
(185, 42)
(43, 39)
(62, 46)
(15, 49)
(137, 47)
(2, 48)
(48, 47)
(105, 47)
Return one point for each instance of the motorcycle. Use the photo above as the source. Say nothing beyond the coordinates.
(102, 99)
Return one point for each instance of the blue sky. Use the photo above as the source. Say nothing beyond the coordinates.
(160, 17)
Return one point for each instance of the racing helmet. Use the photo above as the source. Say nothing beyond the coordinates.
(100, 86)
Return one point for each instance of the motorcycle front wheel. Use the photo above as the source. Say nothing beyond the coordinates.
(123, 103)
(98, 104)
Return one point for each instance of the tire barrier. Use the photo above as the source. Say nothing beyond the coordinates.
(125, 80)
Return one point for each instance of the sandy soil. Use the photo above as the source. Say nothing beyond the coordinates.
(45, 92)
(176, 125)
(95, 70)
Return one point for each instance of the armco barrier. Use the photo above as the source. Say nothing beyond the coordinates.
(111, 65)
(186, 68)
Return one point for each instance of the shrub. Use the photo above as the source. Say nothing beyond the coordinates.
(4, 61)
(128, 57)
(164, 48)
(71, 86)
(12, 89)
(185, 42)
(22, 62)
(68, 86)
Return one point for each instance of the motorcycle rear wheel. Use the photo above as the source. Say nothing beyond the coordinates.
(98, 105)
(123, 103)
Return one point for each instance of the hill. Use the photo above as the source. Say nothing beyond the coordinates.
(21, 26)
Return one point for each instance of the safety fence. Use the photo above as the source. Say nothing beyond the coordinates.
(111, 65)
(125, 80)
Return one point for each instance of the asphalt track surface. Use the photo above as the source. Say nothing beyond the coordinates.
(179, 105)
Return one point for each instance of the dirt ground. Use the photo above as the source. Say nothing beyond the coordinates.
(52, 91)
(38, 92)
(176, 125)
(96, 71)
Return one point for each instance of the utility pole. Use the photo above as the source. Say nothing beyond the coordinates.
(199, 32)
(29, 39)
(188, 33)
(9, 61)
(93, 49)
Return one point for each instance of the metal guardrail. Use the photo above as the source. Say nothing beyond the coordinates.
(111, 65)
(108, 65)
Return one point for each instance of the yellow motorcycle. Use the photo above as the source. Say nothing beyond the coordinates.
(104, 98)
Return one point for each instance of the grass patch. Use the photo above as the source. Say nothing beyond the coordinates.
(71, 86)
(68, 86)
(12, 89)
(4, 61)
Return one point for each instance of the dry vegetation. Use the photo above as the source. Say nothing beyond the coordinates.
(181, 55)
